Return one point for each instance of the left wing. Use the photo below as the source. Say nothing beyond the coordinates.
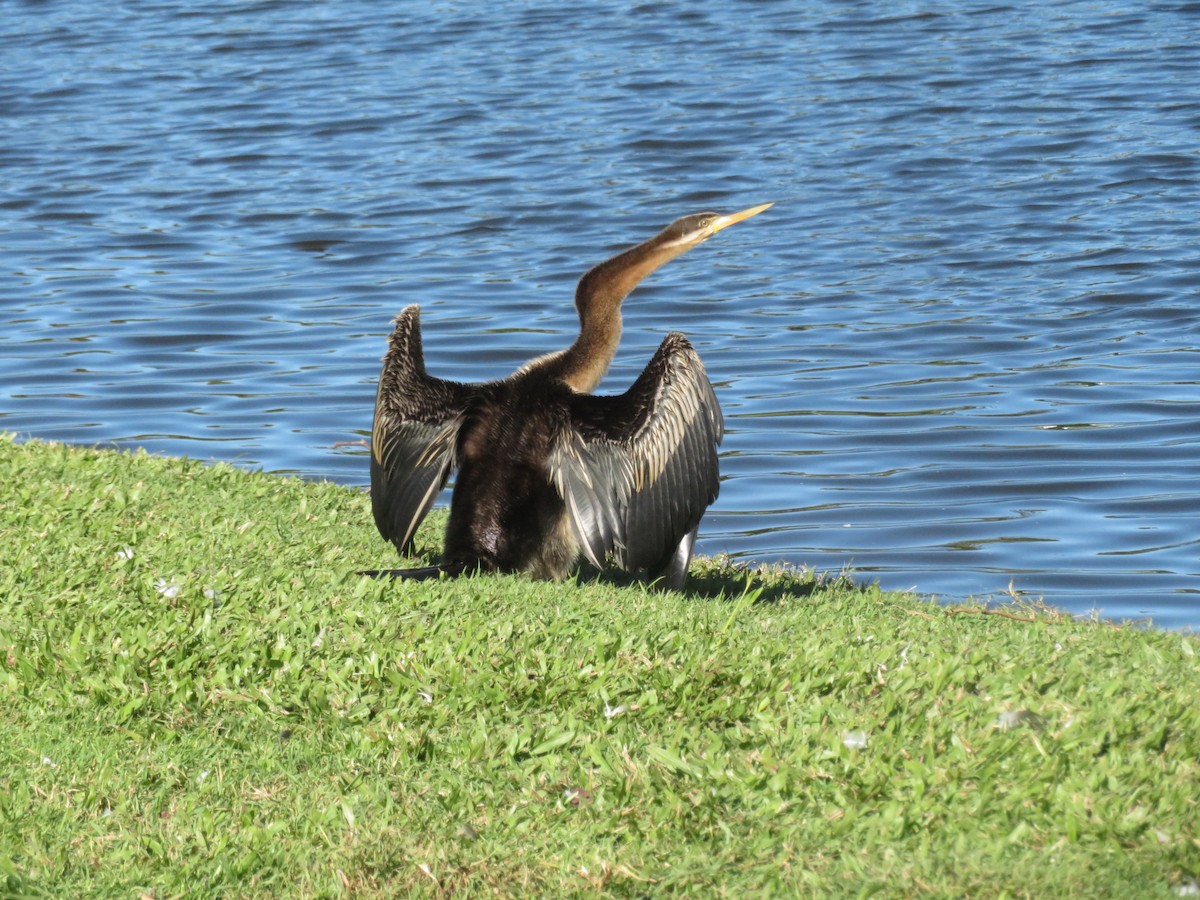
(414, 434)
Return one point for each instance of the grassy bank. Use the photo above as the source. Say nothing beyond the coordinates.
(199, 698)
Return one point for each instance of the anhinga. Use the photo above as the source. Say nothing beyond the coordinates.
(547, 470)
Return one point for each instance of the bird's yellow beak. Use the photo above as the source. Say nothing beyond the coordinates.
(734, 218)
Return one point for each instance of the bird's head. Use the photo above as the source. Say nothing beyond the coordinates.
(689, 231)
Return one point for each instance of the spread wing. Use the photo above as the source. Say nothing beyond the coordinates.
(638, 470)
(417, 418)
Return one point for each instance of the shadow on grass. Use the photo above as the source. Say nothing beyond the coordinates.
(713, 579)
(725, 581)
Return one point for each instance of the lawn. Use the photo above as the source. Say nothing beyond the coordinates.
(199, 698)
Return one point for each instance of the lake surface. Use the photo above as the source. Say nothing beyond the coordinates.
(961, 352)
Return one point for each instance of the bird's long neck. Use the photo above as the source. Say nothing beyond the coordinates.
(598, 300)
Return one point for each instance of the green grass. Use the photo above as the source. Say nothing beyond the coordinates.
(199, 698)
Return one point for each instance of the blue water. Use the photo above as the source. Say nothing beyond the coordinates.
(962, 352)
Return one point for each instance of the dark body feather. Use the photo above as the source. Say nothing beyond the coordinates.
(505, 513)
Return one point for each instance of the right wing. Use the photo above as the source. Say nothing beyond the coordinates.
(417, 418)
(638, 470)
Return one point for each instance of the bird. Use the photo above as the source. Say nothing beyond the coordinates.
(546, 472)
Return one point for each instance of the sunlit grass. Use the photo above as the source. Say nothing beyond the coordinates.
(199, 698)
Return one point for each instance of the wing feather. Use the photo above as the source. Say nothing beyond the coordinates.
(414, 434)
(638, 470)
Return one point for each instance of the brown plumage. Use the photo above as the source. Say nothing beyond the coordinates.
(547, 470)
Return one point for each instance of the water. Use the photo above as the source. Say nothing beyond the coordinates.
(961, 352)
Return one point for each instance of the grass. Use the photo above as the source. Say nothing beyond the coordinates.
(199, 698)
